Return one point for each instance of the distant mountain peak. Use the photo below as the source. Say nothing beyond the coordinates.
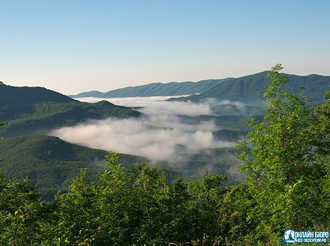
(248, 88)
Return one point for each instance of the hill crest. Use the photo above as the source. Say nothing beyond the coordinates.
(249, 88)
(154, 89)
(15, 95)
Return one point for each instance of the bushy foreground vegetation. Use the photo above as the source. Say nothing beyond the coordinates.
(287, 187)
(135, 206)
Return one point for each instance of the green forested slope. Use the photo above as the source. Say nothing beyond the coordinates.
(250, 89)
(155, 89)
(29, 110)
(48, 115)
(12, 95)
(245, 89)
(50, 162)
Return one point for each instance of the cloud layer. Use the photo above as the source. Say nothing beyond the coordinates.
(159, 135)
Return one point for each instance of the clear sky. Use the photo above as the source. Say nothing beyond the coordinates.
(73, 46)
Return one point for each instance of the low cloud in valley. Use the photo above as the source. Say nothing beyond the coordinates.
(158, 135)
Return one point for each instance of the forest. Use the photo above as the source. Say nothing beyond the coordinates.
(285, 158)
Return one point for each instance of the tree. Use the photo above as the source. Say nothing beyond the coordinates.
(21, 212)
(286, 166)
(136, 206)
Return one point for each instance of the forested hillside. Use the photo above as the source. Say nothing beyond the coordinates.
(51, 163)
(12, 95)
(29, 110)
(250, 89)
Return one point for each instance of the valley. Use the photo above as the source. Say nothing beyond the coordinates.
(185, 136)
(156, 157)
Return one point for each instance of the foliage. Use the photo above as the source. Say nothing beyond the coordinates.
(51, 163)
(286, 168)
(126, 206)
(18, 212)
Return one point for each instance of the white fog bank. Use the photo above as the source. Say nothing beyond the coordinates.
(158, 135)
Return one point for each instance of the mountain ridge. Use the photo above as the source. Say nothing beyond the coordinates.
(154, 89)
(30, 110)
(249, 88)
(29, 95)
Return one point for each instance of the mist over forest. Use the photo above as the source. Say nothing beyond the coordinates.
(160, 134)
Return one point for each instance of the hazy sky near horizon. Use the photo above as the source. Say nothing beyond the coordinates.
(73, 46)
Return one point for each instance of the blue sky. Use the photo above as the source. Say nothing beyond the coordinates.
(78, 45)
